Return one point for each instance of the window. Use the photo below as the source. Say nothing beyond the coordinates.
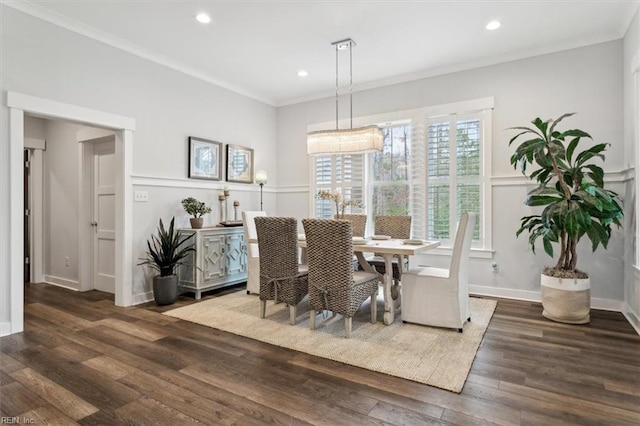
(435, 165)
(454, 176)
(389, 173)
(337, 173)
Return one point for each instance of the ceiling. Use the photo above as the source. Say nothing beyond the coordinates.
(257, 47)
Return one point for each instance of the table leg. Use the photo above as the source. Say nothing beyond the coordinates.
(391, 292)
(390, 300)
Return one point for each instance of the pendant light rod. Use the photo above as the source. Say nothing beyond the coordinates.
(336, 87)
(347, 43)
(361, 140)
(350, 85)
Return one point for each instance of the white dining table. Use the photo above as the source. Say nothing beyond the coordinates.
(387, 249)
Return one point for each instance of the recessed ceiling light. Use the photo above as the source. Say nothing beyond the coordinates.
(302, 73)
(493, 25)
(203, 18)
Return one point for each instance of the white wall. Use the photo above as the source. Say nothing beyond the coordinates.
(586, 80)
(47, 61)
(61, 203)
(34, 128)
(631, 121)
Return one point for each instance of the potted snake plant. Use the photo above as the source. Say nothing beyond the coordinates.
(570, 188)
(165, 252)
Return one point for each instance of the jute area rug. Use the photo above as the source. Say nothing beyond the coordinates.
(433, 356)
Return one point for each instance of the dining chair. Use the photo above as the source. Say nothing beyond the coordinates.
(253, 254)
(333, 284)
(437, 296)
(281, 279)
(397, 227)
(358, 222)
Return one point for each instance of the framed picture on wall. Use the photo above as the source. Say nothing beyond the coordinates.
(239, 164)
(205, 159)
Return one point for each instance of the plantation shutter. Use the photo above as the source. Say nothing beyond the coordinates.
(418, 200)
(453, 173)
(438, 178)
(338, 172)
(468, 144)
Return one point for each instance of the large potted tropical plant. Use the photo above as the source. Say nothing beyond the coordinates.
(571, 190)
(166, 250)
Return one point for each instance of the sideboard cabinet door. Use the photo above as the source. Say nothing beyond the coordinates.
(220, 259)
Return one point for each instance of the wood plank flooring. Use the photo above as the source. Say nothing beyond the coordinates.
(82, 360)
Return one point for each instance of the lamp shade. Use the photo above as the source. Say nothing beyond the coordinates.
(360, 140)
(261, 177)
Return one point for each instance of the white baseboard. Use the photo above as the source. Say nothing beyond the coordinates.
(632, 317)
(507, 293)
(5, 328)
(534, 296)
(62, 282)
(607, 304)
(142, 298)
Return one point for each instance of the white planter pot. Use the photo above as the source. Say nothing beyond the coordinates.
(566, 300)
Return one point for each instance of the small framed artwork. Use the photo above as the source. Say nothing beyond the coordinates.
(239, 164)
(205, 159)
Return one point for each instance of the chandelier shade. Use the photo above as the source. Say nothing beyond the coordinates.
(360, 140)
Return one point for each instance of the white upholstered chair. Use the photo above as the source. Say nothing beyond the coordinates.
(253, 256)
(440, 297)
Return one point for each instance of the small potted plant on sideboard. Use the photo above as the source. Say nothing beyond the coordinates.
(197, 209)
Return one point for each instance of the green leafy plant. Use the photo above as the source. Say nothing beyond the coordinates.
(195, 208)
(167, 250)
(571, 190)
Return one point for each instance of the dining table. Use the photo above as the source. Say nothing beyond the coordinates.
(387, 248)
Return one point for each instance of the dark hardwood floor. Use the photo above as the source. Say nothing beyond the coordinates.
(82, 360)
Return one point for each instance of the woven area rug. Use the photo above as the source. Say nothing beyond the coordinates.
(429, 355)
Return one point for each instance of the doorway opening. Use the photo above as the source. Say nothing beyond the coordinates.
(123, 127)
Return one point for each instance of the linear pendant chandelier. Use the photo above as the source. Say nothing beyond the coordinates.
(360, 140)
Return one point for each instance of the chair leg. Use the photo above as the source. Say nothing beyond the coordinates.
(263, 308)
(374, 307)
(469, 319)
(292, 314)
(312, 319)
(347, 326)
(459, 330)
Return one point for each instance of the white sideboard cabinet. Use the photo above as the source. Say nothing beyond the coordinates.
(220, 259)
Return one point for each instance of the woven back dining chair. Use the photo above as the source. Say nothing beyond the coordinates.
(358, 223)
(281, 279)
(333, 284)
(397, 227)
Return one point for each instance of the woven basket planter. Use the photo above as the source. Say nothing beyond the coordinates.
(566, 300)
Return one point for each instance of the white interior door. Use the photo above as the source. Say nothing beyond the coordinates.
(104, 215)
